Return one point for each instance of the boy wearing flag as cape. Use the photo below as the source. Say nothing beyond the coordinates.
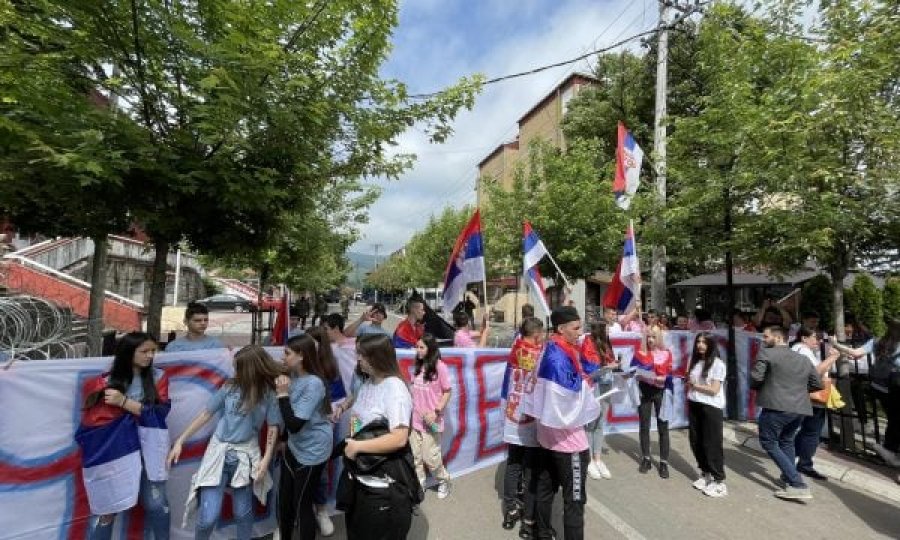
(562, 403)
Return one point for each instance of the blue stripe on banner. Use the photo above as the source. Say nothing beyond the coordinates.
(103, 444)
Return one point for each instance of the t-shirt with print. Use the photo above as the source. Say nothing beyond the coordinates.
(237, 425)
(716, 373)
(426, 396)
(463, 338)
(183, 344)
(388, 399)
(312, 444)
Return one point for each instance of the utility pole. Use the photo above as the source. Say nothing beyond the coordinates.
(377, 247)
(658, 275)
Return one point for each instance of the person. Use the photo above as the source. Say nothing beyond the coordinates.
(133, 386)
(703, 321)
(682, 322)
(305, 406)
(599, 344)
(320, 309)
(783, 379)
(345, 306)
(664, 321)
(706, 405)
(469, 304)
(652, 318)
(741, 321)
(232, 457)
(430, 388)
(562, 403)
(652, 385)
(611, 316)
(380, 505)
(294, 327)
(527, 311)
(886, 388)
(410, 329)
(303, 308)
(196, 319)
(770, 313)
(807, 440)
(373, 317)
(464, 336)
(519, 431)
(631, 321)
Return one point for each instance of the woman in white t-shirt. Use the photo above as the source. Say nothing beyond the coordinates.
(706, 402)
(380, 509)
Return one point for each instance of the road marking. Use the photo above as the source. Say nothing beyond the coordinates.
(613, 520)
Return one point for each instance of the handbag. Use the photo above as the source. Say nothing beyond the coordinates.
(821, 396)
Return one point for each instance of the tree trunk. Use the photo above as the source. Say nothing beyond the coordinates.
(98, 295)
(157, 288)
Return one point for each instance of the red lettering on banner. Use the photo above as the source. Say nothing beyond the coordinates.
(485, 405)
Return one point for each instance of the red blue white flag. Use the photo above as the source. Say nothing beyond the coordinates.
(625, 288)
(628, 168)
(534, 250)
(466, 263)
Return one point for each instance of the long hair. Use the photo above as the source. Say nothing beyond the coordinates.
(708, 357)
(122, 372)
(600, 337)
(432, 356)
(325, 357)
(254, 375)
(379, 352)
(888, 344)
(313, 361)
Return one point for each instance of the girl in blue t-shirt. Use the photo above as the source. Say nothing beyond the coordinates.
(232, 458)
(305, 405)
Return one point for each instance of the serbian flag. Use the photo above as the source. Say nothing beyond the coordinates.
(407, 334)
(628, 168)
(466, 263)
(563, 397)
(534, 250)
(642, 367)
(625, 287)
(282, 321)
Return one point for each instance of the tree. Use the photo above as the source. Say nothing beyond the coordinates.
(816, 295)
(867, 305)
(891, 298)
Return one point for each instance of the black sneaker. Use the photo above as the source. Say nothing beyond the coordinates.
(663, 469)
(812, 473)
(645, 466)
(527, 532)
(510, 518)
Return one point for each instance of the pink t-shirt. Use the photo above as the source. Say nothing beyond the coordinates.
(569, 441)
(426, 396)
(463, 338)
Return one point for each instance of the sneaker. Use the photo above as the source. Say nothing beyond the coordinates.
(604, 471)
(701, 483)
(598, 470)
(715, 489)
(645, 466)
(510, 518)
(812, 473)
(443, 489)
(663, 469)
(326, 527)
(889, 457)
(794, 494)
(527, 532)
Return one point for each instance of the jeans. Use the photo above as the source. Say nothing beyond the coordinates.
(652, 396)
(777, 431)
(519, 478)
(211, 504)
(156, 513)
(567, 471)
(595, 430)
(807, 439)
(705, 435)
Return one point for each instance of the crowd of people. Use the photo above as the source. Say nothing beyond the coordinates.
(556, 392)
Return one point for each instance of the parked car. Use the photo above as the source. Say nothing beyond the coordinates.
(227, 302)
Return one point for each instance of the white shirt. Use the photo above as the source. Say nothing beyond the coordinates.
(716, 373)
(389, 399)
(807, 352)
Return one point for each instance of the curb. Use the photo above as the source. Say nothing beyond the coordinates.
(855, 477)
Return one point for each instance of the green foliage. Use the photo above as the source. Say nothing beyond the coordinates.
(818, 295)
(891, 298)
(867, 304)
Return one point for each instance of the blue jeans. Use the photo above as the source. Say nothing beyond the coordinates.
(777, 431)
(808, 438)
(211, 504)
(156, 513)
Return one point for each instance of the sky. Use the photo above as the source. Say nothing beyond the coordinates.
(439, 41)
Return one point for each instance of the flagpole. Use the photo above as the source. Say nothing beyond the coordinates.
(634, 242)
(568, 284)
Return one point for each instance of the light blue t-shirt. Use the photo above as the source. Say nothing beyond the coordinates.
(183, 344)
(236, 425)
(312, 444)
(371, 329)
(135, 391)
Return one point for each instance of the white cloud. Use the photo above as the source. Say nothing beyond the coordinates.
(445, 174)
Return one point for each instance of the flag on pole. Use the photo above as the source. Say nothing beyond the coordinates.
(534, 250)
(628, 168)
(466, 263)
(625, 288)
(282, 321)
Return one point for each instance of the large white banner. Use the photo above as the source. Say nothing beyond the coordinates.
(41, 491)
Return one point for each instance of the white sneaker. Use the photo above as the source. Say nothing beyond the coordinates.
(594, 471)
(715, 489)
(326, 527)
(702, 482)
(443, 489)
(604, 471)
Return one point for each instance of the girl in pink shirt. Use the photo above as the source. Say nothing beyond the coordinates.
(464, 337)
(430, 390)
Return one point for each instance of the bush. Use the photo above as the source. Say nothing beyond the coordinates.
(867, 304)
(891, 297)
(817, 295)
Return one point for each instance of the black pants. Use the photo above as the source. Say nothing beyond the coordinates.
(569, 471)
(303, 320)
(705, 434)
(378, 513)
(890, 402)
(296, 515)
(519, 480)
(651, 397)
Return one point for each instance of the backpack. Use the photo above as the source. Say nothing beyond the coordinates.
(885, 371)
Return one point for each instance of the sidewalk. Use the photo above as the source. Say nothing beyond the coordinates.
(876, 479)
